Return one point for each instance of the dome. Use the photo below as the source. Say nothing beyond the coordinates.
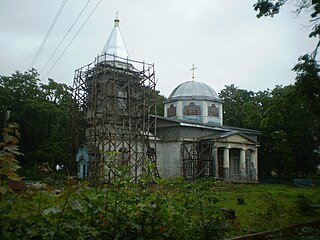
(193, 90)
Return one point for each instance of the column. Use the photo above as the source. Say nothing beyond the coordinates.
(165, 110)
(254, 166)
(179, 109)
(204, 112)
(214, 153)
(243, 175)
(226, 165)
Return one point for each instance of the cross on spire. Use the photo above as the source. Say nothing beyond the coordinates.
(116, 21)
(192, 69)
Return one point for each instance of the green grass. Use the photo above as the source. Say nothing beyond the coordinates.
(268, 206)
(176, 209)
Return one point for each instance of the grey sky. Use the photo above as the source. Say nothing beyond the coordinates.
(223, 38)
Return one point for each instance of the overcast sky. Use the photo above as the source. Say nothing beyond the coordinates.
(223, 38)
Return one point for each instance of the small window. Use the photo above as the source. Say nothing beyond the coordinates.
(192, 109)
(213, 110)
(171, 111)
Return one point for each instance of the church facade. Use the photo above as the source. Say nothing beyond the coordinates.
(190, 140)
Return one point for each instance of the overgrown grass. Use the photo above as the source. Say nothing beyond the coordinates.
(174, 209)
(268, 206)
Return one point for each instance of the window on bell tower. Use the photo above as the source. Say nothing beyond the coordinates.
(213, 110)
(192, 109)
(171, 111)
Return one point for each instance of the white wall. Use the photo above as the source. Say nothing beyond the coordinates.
(169, 159)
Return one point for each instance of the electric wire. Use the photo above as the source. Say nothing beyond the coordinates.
(48, 33)
(72, 39)
(64, 37)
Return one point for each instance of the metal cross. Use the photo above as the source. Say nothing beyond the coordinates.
(192, 69)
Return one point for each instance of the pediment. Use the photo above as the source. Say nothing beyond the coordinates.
(237, 138)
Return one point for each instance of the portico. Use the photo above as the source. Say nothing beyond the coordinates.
(235, 157)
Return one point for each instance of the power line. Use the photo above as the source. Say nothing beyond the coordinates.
(48, 33)
(54, 52)
(72, 39)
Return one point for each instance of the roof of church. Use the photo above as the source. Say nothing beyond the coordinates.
(193, 90)
(186, 123)
(115, 48)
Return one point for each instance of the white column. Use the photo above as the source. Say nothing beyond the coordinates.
(179, 109)
(215, 157)
(165, 110)
(243, 164)
(254, 167)
(221, 113)
(226, 164)
(204, 112)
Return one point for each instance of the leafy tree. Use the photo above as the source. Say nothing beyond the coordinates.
(288, 134)
(234, 101)
(308, 82)
(9, 150)
(42, 110)
(154, 98)
(307, 86)
(272, 7)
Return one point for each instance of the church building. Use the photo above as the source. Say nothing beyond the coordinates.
(190, 140)
(193, 142)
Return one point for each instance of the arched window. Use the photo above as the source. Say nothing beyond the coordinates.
(213, 110)
(171, 111)
(192, 109)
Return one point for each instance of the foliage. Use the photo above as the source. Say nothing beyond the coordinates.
(122, 209)
(8, 152)
(155, 98)
(236, 102)
(272, 7)
(308, 82)
(286, 121)
(42, 110)
(125, 209)
(307, 79)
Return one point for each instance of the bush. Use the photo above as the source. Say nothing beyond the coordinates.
(122, 209)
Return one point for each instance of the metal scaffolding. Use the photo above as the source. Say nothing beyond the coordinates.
(116, 98)
(197, 159)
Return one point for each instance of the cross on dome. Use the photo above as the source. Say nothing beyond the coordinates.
(193, 70)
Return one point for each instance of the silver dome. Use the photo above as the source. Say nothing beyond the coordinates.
(193, 90)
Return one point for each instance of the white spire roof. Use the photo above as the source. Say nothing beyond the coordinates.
(115, 45)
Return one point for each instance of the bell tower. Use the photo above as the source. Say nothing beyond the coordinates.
(117, 95)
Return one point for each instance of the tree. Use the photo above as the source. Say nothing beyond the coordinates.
(308, 82)
(42, 110)
(307, 86)
(272, 7)
(288, 134)
(9, 150)
(235, 100)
